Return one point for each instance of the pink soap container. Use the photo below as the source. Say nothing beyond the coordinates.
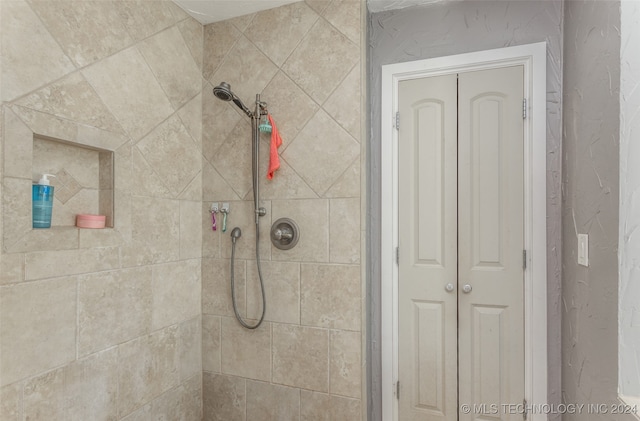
(90, 221)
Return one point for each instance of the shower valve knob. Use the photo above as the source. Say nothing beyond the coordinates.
(283, 234)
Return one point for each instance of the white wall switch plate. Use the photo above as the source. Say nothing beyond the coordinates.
(583, 249)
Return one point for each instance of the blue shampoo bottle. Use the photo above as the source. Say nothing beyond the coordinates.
(42, 195)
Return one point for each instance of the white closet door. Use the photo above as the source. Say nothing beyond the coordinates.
(428, 255)
(461, 224)
(490, 241)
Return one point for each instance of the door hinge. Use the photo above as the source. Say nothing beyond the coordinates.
(398, 120)
(524, 108)
(398, 256)
(524, 259)
(398, 390)
(525, 412)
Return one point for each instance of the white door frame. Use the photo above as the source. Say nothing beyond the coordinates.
(533, 58)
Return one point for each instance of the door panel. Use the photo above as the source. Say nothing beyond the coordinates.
(490, 239)
(427, 232)
(461, 223)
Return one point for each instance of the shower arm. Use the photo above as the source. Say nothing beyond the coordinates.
(260, 110)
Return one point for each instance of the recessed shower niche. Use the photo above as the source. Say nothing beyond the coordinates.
(92, 167)
(83, 178)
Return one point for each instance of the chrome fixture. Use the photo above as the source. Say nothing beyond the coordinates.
(284, 234)
(223, 92)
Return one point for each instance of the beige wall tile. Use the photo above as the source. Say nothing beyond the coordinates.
(193, 33)
(183, 403)
(98, 138)
(74, 99)
(344, 104)
(18, 146)
(293, 21)
(143, 18)
(11, 402)
(113, 307)
(122, 221)
(38, 329)
(125, 94)
(318, 5)
(190, 229)
(246, 353)
(241, 22)
(330, 296)
(224, 398)
(46, 124)
(300, 357)
(216, 289)
(282, 291)
(155, 236)
(91, 386)
(54, 238)
(322, 407)
(348, 185)
(142, 414)
(233, 159)
(239, 70)
(312, 218)
(86, 201)
(344, 230)
(46, 264)
(147, 183)
(344, 363)
(286, 183)
(345, 15)
(219, 38)
(30, 56)
(191, 116)
(290, 106)
(182, 79)
(92, 238)
(87, 31)
(81, 164)
(16, 209)
(11, 268)
(269, 402)
(321, 152)
(176, 292)
(211, 352)
(148, 366)
(190, 349)
(308, 65)
(193, 191)
(214, 187)
(172, 154)
(44, 397)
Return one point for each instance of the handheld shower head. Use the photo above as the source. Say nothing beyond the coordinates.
(235, 234)
(223, 92)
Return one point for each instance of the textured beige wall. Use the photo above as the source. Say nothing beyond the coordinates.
(103, 324)
(304, 361)
(591, 164)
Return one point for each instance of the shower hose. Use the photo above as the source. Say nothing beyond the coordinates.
(233, 288)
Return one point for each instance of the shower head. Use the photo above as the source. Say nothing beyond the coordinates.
(223, 92)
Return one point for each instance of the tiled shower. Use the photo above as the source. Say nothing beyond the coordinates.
(134, 322)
